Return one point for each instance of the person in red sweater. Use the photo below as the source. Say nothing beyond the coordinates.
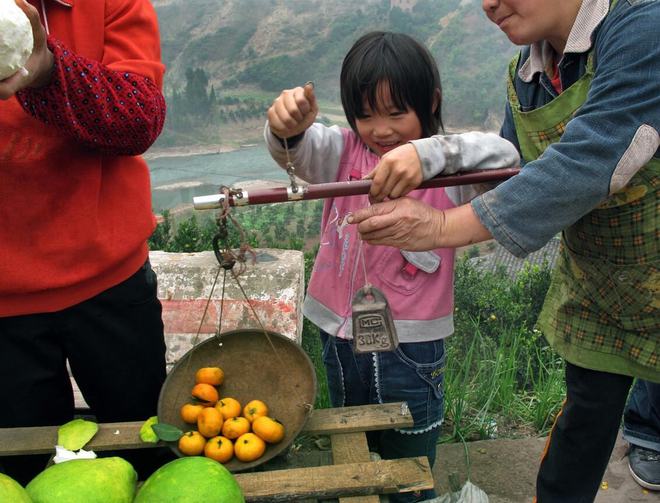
(75, 216)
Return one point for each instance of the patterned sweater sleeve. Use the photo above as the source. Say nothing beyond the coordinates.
(114, 112)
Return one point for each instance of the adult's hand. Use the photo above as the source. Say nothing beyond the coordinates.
(293, 111)
(410, 224)
(404, 223)
(398, 172)
(38, 68)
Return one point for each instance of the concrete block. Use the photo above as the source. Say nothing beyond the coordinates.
(267, 293)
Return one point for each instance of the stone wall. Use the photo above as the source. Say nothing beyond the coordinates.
(268, 293)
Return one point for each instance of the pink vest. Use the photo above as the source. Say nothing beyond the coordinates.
(421, 302)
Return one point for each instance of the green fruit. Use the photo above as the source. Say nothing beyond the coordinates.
(101, 480)
(192, 479)
(147, 434)
(75, 434)
(11, 491)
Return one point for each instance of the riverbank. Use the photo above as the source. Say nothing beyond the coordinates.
(186, 151)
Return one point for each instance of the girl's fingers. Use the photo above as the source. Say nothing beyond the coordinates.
(401, 188)
(310, 97)
(290, 105)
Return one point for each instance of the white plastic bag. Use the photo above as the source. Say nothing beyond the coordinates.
(469, 493)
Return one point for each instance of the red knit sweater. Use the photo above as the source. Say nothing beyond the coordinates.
(75, 204)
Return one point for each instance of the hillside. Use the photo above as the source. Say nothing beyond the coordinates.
(245, 51)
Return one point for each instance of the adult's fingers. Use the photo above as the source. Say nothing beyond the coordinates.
(13, 83)
(403, 223)
(35, 21)
(372, 217)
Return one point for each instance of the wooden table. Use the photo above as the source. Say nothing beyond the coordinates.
(353, 477)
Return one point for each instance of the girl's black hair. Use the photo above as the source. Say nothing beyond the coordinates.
(402, 62)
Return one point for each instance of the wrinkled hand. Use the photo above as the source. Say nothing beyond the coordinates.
(38, 68)
(404, 223)
(293, 111)
(397, 173)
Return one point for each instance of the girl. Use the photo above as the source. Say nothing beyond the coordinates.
(391, 94)
(584, 111)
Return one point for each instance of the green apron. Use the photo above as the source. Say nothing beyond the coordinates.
(601, 311)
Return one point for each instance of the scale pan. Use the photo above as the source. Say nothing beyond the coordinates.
(278, 372)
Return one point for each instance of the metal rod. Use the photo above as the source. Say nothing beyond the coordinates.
(241, 197)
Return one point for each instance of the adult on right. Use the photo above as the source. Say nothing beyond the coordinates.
(584, 111)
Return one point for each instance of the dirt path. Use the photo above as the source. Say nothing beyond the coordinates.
(506, 471)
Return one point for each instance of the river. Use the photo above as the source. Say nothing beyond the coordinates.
(176, 180)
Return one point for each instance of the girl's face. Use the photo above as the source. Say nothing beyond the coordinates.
(529, 21)
(387, 127)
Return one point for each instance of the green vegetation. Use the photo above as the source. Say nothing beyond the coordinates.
(502, 379)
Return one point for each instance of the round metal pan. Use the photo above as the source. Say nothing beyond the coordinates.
(278, 372)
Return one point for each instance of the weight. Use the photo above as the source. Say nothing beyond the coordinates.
(373, 327)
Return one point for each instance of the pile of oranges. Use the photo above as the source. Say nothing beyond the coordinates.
(225, 428)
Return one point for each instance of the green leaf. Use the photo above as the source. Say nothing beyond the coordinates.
(167, 432)
(75, 434)
(147, 433)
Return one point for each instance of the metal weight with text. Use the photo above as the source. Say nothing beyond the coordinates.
(373, 327)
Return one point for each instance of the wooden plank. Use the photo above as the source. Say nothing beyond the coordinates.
(352, 448)
(360, 418)
(349, 448)
(42, 439)
(353, 479)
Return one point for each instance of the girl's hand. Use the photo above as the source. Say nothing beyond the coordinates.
(397, 173)
(38, 68)
(293, 111)
(405, 223)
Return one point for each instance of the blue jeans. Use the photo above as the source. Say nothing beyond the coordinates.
(641, 419)
(413, 373)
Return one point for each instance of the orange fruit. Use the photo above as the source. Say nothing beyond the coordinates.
(205, 393)
(268, 429)
(189, 412)
(230, 407)
(219, 448)
(249, 447)
(210, 375)
(209, 422)
(235, 427)
(192, 443)
(255, 409)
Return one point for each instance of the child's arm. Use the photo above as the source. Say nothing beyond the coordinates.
(315, 154)
(401, 170)
(314, 149)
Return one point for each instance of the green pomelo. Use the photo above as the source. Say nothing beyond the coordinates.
(75, 434)
(11, 491)
(101, 480)
(192, 479)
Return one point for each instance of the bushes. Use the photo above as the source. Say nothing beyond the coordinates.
(502, 377)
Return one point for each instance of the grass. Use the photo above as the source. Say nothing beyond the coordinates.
(500, 389)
